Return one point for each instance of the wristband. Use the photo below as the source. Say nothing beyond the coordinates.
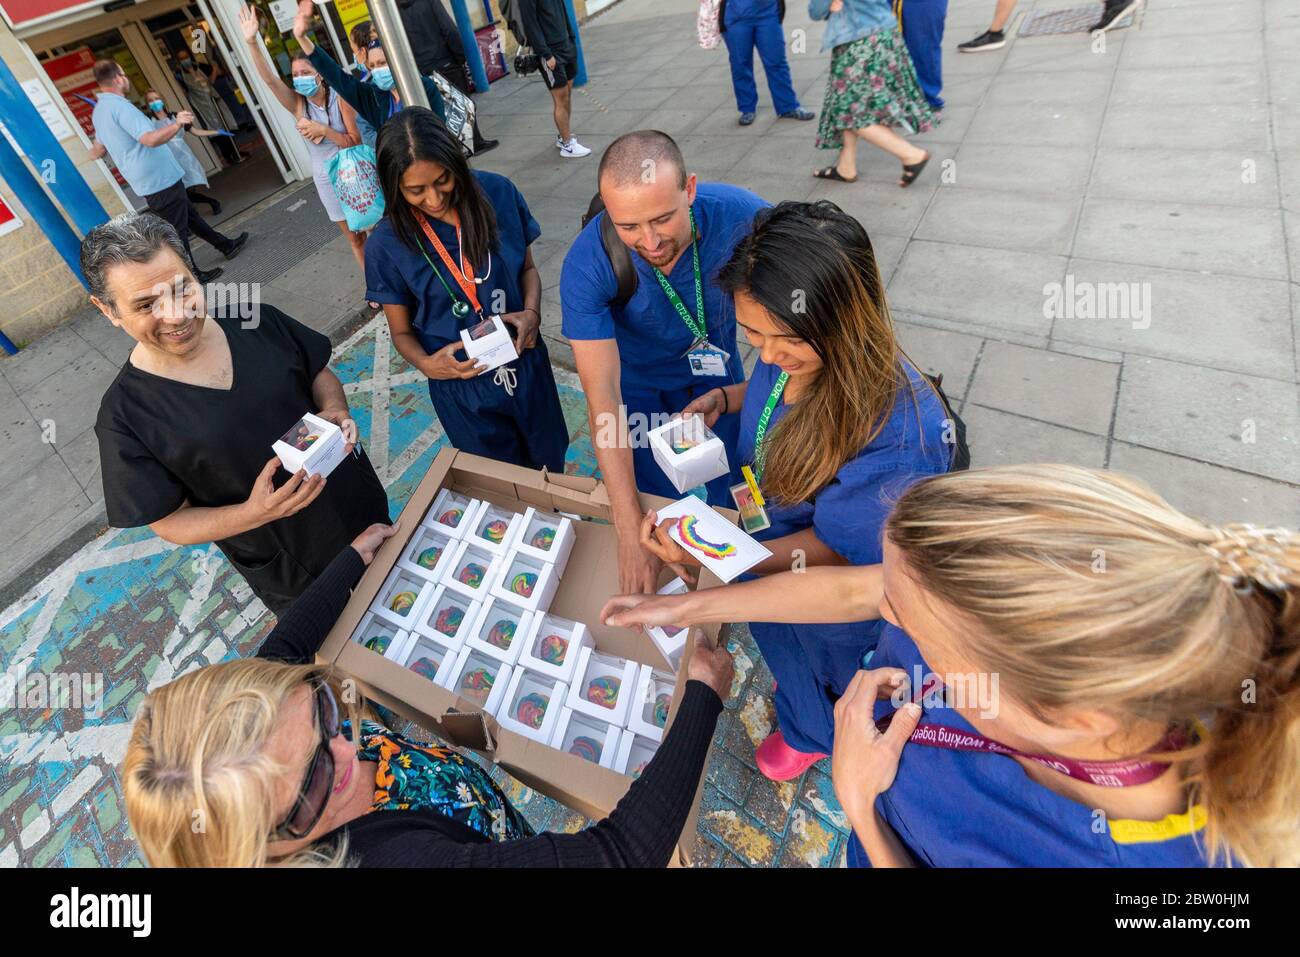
(726, 405)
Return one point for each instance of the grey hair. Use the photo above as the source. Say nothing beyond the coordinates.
(128, 238)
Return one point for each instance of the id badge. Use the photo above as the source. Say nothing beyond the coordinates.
(753, 517)
(707, 360)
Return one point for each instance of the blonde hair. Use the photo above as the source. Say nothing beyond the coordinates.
(198, 785)
(1088, 590)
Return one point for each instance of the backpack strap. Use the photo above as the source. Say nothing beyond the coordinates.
(620, 258)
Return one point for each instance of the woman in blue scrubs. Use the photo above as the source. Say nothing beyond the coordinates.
(452, 249)
(834, 424)
(1104, 680)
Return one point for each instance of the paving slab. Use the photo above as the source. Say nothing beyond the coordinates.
(1225, 418)
(1227, 322)
(1218, 177)
(1001, 220)
(1059, 389)
(1219, 239)
(1000, 438)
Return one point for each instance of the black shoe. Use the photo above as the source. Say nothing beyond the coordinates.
(988, 40)
(747, 119)
(236, 245)
(216, 208)
(210, 276)
(484, 146)
(1114, 12)
(799, 114)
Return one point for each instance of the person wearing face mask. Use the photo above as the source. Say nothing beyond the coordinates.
(195, 176)
(359, 39)
(835, 421)
(451, 250)
(374, 100)
(1028, 708)
(325, 120)
(138, 147)
(287, 769)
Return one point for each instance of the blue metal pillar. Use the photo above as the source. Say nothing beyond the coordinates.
(30, 132)
(581, 78)
(470, 42)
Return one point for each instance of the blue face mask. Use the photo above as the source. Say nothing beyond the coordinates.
(382, 77)
(156, 105)
(306, 85)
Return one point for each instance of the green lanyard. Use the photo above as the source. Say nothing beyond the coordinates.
(694, 323)
(459, 309)
(760, 453)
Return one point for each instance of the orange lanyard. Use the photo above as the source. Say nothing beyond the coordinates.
(464, 276)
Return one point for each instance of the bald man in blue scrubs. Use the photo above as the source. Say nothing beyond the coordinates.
(647, 359)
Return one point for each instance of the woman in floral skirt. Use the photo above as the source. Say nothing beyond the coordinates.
(872, 89)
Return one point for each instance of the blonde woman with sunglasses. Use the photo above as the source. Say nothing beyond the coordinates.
(268, 761)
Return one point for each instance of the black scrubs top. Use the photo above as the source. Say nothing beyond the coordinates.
(162, 442)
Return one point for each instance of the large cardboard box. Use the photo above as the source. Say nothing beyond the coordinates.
(590, 577)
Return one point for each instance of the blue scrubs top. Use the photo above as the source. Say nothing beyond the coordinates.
(813, 664)
(963, 809)
(525, 425)
(652, 338)
(397, 274)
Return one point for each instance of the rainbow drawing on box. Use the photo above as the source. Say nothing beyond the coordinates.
(586, 748)
(686, 529)
(662, 703)
(449, 619)
(402, 602)
(426, 668)
(523, 583)
(495, 531)
(552, 649)
(477, 683)
(603, 691)
(472, 574)
(502, 633)
(429, 557)
(532, 709)
(544, 538)
(451, 518)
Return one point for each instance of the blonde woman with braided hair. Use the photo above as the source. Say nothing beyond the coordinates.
(1073, 673)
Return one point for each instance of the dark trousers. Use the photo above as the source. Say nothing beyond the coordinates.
(173, 205)
(923, 34)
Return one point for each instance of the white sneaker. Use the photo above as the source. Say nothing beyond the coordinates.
(573, 149)
(559, 143)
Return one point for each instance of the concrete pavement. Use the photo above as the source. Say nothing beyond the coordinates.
(1103, 259)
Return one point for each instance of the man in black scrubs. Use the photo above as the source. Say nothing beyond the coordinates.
(185, 430)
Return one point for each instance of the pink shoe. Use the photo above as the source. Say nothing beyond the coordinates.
(780, 762)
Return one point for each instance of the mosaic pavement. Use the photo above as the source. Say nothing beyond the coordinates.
(137, 611)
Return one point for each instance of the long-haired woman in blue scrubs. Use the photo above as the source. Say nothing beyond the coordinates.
(834, 424)
(452, 250)
(1101, 680)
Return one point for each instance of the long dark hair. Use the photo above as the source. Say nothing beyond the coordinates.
(811, 266)
(416, 134)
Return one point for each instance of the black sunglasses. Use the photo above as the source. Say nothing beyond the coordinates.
(315, 791)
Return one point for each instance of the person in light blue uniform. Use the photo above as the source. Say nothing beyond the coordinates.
(1073, 673)
(644, 359)
(447, 229)
(750, 24)
(834, 424)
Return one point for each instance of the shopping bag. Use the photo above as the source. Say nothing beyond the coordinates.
(459, 109)
(355, 179)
